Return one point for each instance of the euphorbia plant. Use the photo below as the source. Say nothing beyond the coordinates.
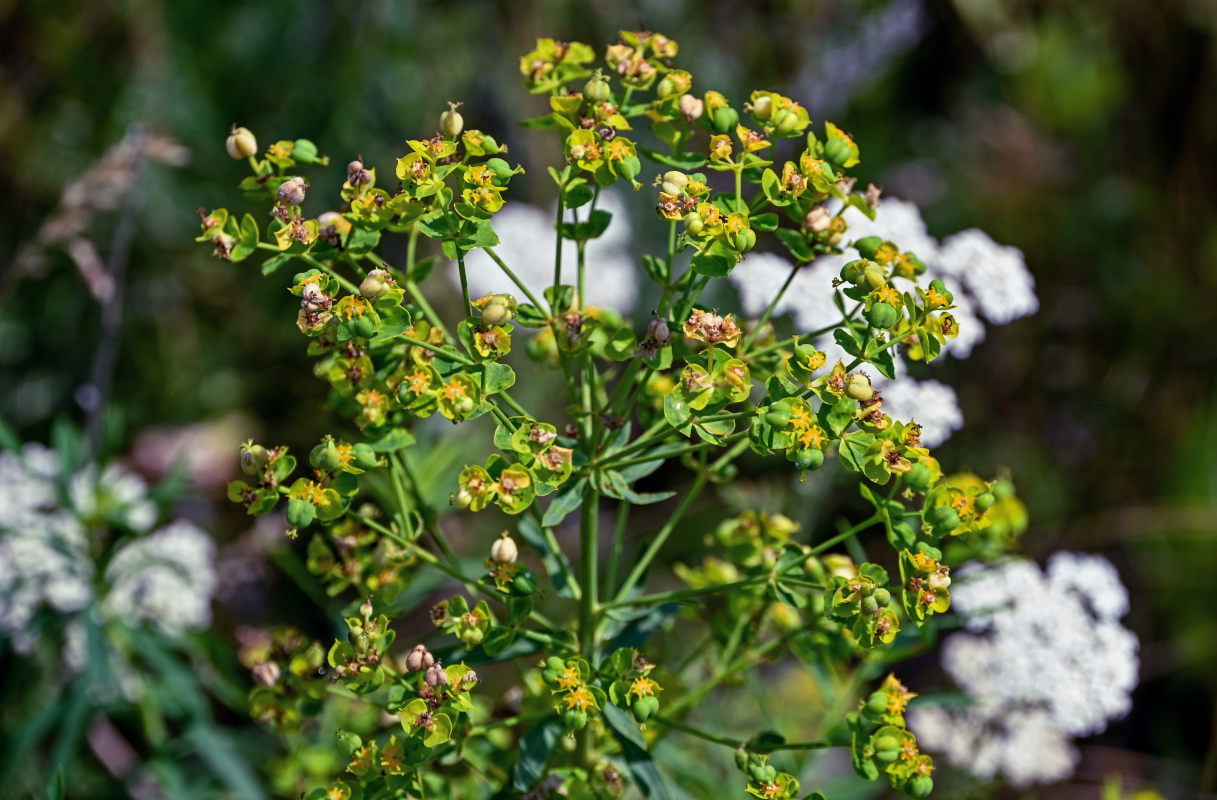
(686, 388)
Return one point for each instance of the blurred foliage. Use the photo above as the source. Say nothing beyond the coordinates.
(1081, 132)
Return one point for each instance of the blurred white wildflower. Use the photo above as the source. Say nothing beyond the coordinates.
(47, 556)
(1045, 660)
(526, 245)
(166, 578)
(983, 276)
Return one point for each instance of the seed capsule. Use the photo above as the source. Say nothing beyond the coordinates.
(858, 387)
(420, 658)
(984, 501)
(375, 285)
(291, 191)
(241, 143)
(691, 107)
(882, 315)
(435, 675)
(504, 550)
(451, 123)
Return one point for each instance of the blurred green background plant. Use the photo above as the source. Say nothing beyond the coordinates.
(1081, 132)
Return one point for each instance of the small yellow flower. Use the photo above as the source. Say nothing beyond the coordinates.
(643, 686)
(580, 699)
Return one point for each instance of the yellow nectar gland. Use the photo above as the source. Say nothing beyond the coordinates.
(453, 391)
(417, 382)
(579, 699)
(642, 686)
(311, 491)
(569, 679)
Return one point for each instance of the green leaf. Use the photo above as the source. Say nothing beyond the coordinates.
(498, 639)
(639, 762)
(853, 449)
(681, 161)
(568, 498)
(248, 242)
(577, 194)
(421, 269)
(274, 262)
(614, 484)
(556, 564)
(394, 440)
(439, 734)
(535, 750)
(362, 240)
(764, 222)
(225, 760)
(796, 244)
(393, 322)
(712, 263)
(498, 377)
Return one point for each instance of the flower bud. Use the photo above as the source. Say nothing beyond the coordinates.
(882, 315)
(375, 285)
(504, 550)
(420, 658)
(450, 122)
(291, 191)
(254, 458)
(984, 501)
(691, 107)
(858, 387)
(266, 673)
(241, 143)
(435, 675)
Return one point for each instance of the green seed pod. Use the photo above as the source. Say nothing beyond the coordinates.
(920, 786)
(325, 457)
(574, 720)
(725, 119)
(858, 387)
(451, 123)
(768, 773)
(947, 521)
(501, 169)
(784, 121)
(763, 107)
(464, 407)
(1003, 489)
(645, 706)
(810, 459)
(882, 315)
(523, 584)
(555, 663)
(918, 478)
(882, 597)
(852, 271)
(375, 285)
(873, 277)
(693, 223)
(870, 605)
(876, 704)
(667, 87)
(597, 90)
(941, 288)
(779, 414)
(836, 151)
(745, 240)
(985, 501)
(300, 512)
(241, 143)
(365, 457)
(677, 179)
(868, 246)
(741, 760)
(364, 327)
(254, 458)
(887, 749)
(628, 168)
(472, 636)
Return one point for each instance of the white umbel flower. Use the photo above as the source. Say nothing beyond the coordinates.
(1045, 659)
(931, 404)
(166, 578)
(995, 275)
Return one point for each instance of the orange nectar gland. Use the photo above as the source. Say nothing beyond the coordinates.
(311, 491)
(417, 382)
(642, 686)
(569, 679)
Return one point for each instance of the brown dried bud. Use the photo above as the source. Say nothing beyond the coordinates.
(291, 192)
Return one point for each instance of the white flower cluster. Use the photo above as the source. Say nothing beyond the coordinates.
(984, 277)
(47, 559)
(526, 244)
(1045, 659)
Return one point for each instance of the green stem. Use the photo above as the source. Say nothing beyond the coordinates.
(769, 311)
(558, 252)
(640, 567)
(589, 549)
(623, 516)
(743, 662)
(551, 541)
(512, 276)
(700, 734)
(845, 534)
(460, 263)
